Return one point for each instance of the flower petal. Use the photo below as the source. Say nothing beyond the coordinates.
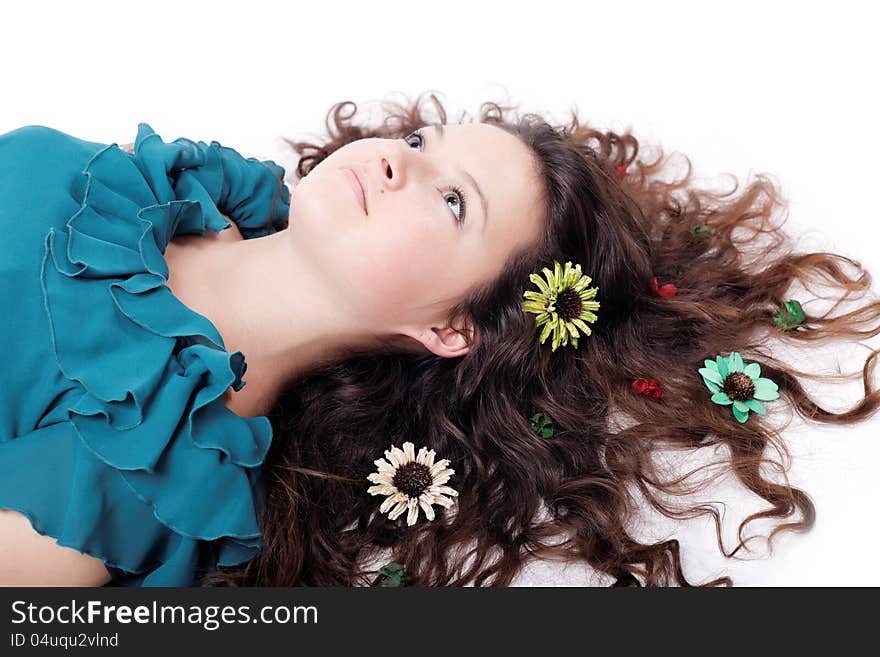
(425, 500)
(766, 390)
(413, 514)
(588, 316)
(735, 362)
(400, 508)
(711, 375)
(409, 451)
(382, 489)
(537, 280)
(391, 455)
(391, 501)
(712, 386)
(711, 364)
(721, 398)
(536, 307)
(445, 502)
(557, 336)
(546, 332)
(443, 476)
(739, 415)
(740, 406)
(443, 490)
(756, 406)
(384, 466)
(582, 325)
(721, 363)
(753, 370)
(381, 477)
(439, 466)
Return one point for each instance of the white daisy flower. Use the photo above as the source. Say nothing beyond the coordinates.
(411, 481)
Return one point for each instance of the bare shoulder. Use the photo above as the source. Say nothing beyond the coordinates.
(27, 558)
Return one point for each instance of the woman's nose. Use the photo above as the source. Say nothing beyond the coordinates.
(397, 164)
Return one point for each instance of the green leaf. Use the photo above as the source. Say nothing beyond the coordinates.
(794, 308)
(395, 574)
(542, 424)
(791, 315)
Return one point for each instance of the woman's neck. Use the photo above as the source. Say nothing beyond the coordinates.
(262, 304)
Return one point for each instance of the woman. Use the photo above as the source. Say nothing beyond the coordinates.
(489, 293)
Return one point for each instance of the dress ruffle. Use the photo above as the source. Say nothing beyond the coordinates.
(151, 370)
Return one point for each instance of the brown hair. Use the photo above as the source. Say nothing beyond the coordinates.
(520, 492)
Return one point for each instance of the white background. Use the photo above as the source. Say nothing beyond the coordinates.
(746, 87)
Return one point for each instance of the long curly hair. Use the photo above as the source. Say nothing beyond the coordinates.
(573, 494)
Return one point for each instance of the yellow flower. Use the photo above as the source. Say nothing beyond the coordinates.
(563, 305)
(411, 481)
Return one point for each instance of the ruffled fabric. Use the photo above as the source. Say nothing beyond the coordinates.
(152, 473)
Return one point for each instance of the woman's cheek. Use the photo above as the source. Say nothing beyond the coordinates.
(393, 278)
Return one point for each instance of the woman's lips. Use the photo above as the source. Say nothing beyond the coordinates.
(356, 184)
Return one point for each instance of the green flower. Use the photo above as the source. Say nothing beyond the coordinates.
(542, 424)
(732, 382)
(563, 303)
(791, 315)
(395, 574)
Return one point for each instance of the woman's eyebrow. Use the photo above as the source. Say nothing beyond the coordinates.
(439, 130)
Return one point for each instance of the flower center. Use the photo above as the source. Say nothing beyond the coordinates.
(739, 386)
(568, 304)
(412, 478)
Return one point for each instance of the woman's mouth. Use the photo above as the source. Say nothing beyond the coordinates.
(355, 181)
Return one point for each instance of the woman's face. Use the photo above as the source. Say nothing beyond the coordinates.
(427, 236)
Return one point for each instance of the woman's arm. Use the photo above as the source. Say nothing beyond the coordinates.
(28, 558)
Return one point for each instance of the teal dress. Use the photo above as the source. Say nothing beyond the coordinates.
(113, 437)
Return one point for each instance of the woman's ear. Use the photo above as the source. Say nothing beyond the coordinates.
(445, 341)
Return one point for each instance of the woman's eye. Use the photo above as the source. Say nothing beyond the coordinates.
(414, 134)
(457, 193)
(458, 197)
